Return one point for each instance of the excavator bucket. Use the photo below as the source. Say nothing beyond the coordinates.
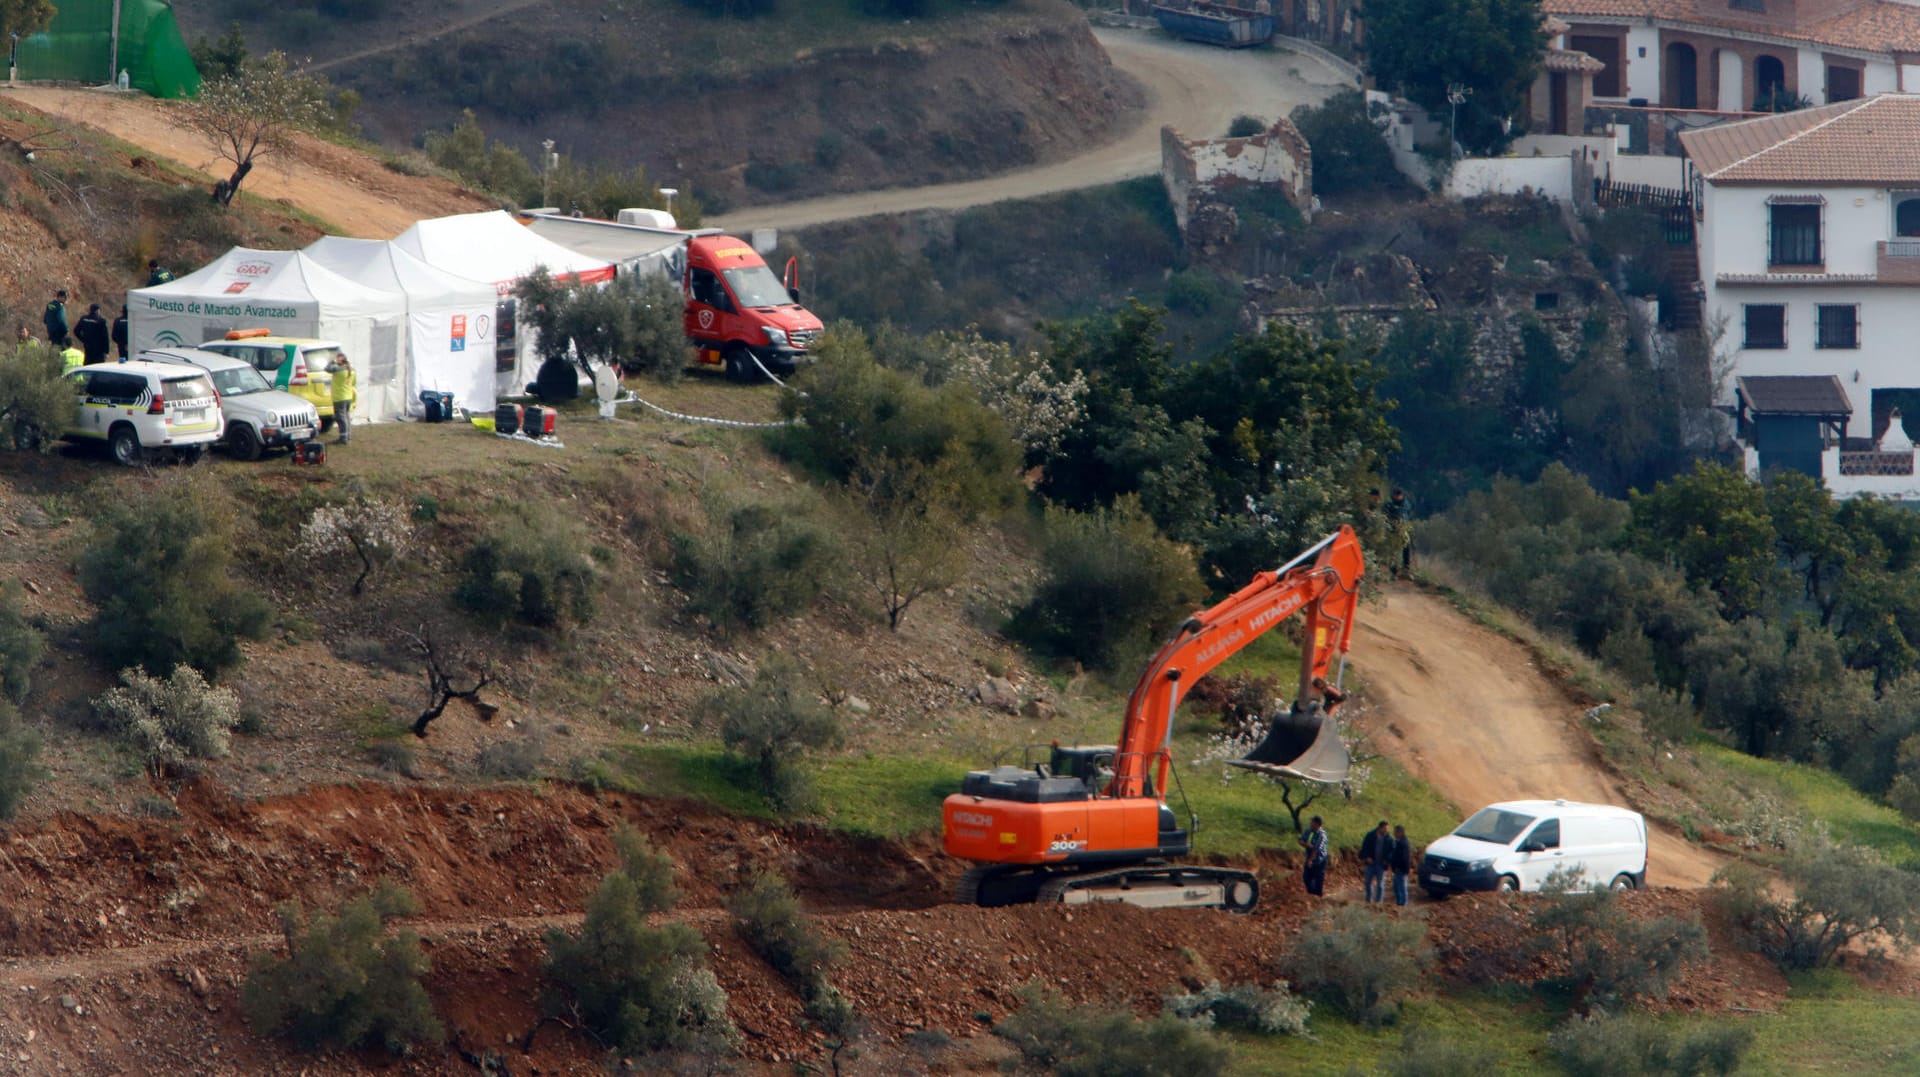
(1305, 745)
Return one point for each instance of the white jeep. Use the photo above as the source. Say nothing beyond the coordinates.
(258, 416)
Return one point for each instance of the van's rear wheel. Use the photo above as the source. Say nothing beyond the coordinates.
(124, 443)
(1622, 881)
(1509, 884)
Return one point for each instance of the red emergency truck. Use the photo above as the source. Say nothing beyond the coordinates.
(738, 311)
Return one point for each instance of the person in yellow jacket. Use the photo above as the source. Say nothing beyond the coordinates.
(343, 397)
(71, 357)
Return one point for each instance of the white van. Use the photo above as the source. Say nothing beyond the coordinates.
(1516, 845)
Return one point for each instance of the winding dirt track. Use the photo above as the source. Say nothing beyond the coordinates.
(1197, 89)
(1469, 712)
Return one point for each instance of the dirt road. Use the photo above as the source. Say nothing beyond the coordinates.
(1469, 712)
(349, 191)
(1195, 88)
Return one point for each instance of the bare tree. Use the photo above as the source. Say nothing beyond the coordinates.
(253, 114)
(440, 686)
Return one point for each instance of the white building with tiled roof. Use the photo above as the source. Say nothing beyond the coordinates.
(1809, 244)
(1727, 55)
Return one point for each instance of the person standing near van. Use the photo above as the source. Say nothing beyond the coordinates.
(1314, 870)
(1373, 853)
(343, 397)
(1400, 859)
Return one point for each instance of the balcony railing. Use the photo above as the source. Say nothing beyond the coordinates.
(1876, 463)
(1897, 261)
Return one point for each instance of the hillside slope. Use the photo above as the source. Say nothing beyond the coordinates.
(354, 194)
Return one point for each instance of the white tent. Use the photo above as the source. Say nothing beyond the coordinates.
(450, 319)
(494, 248)
(287, 293)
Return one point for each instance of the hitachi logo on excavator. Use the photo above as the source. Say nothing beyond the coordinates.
(972, 818)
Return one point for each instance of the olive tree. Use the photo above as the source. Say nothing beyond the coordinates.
(254, 113)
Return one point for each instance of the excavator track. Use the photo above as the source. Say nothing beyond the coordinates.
(1157, 886)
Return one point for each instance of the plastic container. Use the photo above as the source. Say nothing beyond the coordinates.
(539, 422)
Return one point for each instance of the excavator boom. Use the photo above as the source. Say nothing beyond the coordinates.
(1093, 824)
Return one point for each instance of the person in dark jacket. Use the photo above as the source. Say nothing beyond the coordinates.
(120, 332)
(94, 337)
(1313, 870)
(157, 273)
(54, 318)
(1374, 850)
(1400, 859)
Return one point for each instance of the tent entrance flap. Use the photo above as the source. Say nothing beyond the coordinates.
(1303, 744)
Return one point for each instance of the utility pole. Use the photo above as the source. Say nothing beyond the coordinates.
(1457, 94)
(548, 159)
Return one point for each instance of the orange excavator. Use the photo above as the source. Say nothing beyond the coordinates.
(1093, 824)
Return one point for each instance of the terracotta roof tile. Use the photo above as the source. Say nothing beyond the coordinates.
(1878, 26)
(1873, 141)
(1576, 62)
(1795, 394)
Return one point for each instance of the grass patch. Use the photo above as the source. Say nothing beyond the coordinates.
(888, 796)
(1504, 1021)
(1830, 1024)
(1852, 816)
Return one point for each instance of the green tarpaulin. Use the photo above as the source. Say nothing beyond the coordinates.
(79, 47)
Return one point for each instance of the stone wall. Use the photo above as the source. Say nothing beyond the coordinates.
(1196, 171)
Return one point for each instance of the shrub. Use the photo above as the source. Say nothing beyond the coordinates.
(855, 413)
(1366, 960)
(170, 720)
(36, 402)
(638, 987)
(1245, 126)
(155, 569)
(1428, 1054)
(1841, 894)
(753, 562)
(19, 752)
(773, 923)
(395, 756)
(1350, 153)
(1246, 1007)
(344, 980)
(516, 759)
(1110, 587)
(1609, 957)
(531, 567)
(372, 533)
(21, 645)
(1085, 1041)
(772, 723)
(1639, 1047)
